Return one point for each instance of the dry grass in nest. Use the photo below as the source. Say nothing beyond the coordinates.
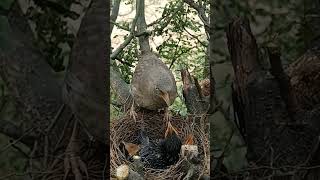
(126, 129)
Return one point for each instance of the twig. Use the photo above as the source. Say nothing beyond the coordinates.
(25, 173)
(46, 149)
(11, 130)
(120, 26)
(124, 62)
(16, 141)
(200, 11)
(32, 156)
(62, 107)
(194, 36)
(63, 132)
(128, 40)
(20, 150)
(175, 53)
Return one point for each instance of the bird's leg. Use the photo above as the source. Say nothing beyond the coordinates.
(72, 158)
(132, 112)
(167, 114)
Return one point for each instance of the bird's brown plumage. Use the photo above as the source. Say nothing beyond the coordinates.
(153, 84)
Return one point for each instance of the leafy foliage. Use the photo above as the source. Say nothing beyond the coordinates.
(127, 59)
(51, 30)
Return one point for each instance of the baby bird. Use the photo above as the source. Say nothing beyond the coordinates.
(160, 154)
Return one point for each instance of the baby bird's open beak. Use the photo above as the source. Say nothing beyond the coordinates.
(170, 130)
(165, 96)
(189, 140)
(131, 148)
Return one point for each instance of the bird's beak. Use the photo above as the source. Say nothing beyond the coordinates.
(170, 130)
(189, 140)
(165, 96)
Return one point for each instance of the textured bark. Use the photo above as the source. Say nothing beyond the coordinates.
(194, 100)
(38, 93)
(286, 89)
(261, 107)
(28, 77)
(85, 85)
(142, 28)
(121, 88)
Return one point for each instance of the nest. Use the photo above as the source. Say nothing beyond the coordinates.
(126, 129)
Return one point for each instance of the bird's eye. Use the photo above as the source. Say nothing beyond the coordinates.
(157, 88)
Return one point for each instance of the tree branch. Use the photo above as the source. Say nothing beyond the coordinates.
(142, 27)
(128, 40)
(86, 82)
(201, 13)
(193, 100)
(114, 13)
(15, 132)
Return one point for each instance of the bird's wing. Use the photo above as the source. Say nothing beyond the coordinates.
(152, 155)
(143, 138)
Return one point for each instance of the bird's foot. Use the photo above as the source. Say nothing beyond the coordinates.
(72, 160)
(132, 113)
(167, 115)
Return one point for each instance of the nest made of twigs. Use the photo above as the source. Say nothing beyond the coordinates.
(126, 129)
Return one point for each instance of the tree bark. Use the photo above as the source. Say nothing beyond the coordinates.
(86, 83)
(29, 78)
(34, 86)
(261, 107)
(194, 100)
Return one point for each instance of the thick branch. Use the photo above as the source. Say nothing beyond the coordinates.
(114, 13)
(121, 47)
(142, 27)
(192, 95)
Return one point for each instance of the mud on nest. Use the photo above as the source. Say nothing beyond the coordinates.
(126, 129)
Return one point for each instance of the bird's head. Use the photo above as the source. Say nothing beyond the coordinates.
(165, 89)
(172, 144)
(164, 95)
(170, 131)
(131, 148)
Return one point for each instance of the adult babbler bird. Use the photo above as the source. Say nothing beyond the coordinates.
(161, 153)
(153, 85)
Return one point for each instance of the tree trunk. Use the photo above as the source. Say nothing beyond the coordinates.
(264, 103)
(37, 91)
